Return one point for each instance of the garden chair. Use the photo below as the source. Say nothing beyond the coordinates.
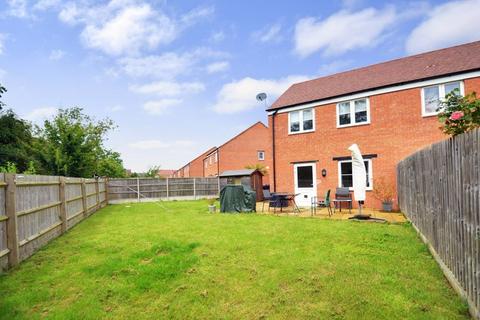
(342, 195)
(321, 203)
(267, 197)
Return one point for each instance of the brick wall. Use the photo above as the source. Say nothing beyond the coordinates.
(241, 151)
(397, 129)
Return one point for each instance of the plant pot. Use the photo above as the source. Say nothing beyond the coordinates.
(212, 208)
(387, 206)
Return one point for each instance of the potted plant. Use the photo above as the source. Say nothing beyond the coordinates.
(212, 208)
(384, 191)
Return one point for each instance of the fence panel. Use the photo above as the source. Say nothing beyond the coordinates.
(439, 191)
(35, 209)
(3, 225)
(148, 189)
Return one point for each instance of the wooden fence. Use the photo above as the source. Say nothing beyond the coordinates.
(145, 189)
(35, 209)
(439, 191)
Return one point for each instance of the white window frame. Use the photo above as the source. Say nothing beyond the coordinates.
(262, 157)
(300, 112)
(352, 113)
(441, 95)
(370, 173)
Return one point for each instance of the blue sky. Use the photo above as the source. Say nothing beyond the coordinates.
(178, 77)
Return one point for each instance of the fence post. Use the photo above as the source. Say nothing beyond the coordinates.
(138, 189)
(106, 190)
(97, 194)
(84, 198)
(12, 237)
(63, 203)
(218, 185)
(167, 190)
(194, 189)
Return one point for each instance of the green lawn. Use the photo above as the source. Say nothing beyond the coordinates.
(142, 261)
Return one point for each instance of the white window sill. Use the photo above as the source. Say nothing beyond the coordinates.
(367, 189)
(353, 125)
(426, 115)
(300, 132)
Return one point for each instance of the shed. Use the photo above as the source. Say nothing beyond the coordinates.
(250, 178)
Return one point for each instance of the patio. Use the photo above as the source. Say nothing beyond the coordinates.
(322, 213)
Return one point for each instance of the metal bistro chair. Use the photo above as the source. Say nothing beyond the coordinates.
(321, 203)
(342, 195)
(267, 197)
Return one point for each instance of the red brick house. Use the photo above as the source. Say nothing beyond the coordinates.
(194, 168)
(388, 109)
(251, 146)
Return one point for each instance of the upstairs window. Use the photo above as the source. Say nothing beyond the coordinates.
(432, 95)
(261, 155)
(351, 113)
(301, 121)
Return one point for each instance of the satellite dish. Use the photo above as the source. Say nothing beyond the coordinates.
(261, 96)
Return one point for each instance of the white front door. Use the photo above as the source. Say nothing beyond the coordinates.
(305, 177)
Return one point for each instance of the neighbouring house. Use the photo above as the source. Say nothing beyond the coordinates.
(193, 169)
(388, 109)
(165, 173)
(250, 147)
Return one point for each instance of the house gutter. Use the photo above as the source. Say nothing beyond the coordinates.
(273, 152)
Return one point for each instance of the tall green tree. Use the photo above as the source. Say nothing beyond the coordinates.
(71, 144)
(15, 140)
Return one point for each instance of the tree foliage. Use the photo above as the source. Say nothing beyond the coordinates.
(71, 144)
(260, 167)
(2, 91)
(15, 140)
(459, 114)
(152, 172)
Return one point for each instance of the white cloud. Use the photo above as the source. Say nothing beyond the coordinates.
(127, 27)
(218, 67)
(268, 34)
(217, 36)
(17, 8)
(448, 24)
(56, 54)
(130, 29)
(46, 4)
(197, 14)
(159, 107)
(168, 88)
(167, 65)
(240, 95)
(40, 114)
(159, 144)
(342, 31)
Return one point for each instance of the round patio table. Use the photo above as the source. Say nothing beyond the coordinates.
(282, 199)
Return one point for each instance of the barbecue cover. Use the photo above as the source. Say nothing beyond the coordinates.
(237, 198)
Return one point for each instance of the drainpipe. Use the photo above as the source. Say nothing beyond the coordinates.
(273, 152)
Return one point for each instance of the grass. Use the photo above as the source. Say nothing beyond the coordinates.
(141, 261)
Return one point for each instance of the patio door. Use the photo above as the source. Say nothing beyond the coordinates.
(305, 176)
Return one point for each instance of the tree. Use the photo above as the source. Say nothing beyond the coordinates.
(15, 140)
(152, 172)
(111, 165)
(2, 91)
(260, 167)
(459, 114)
(72, 145)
